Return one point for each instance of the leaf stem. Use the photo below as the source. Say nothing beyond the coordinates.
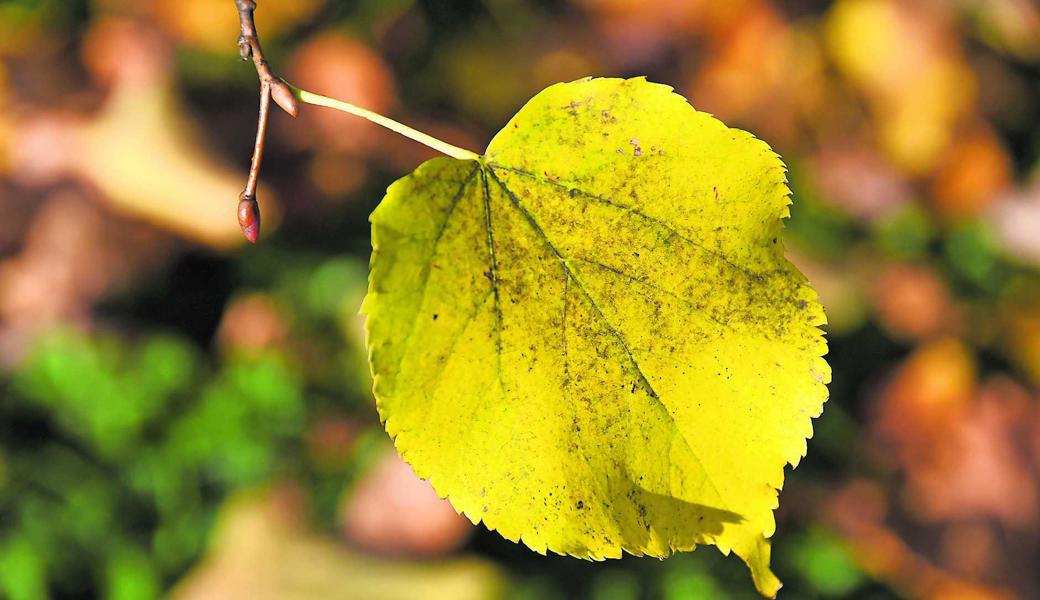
(378, 119)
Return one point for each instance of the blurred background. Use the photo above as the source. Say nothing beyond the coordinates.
(187, 417)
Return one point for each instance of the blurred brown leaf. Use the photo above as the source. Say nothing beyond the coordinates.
(140, 151)
(857, 511)
(858, 181)
(971, 174)
(212, 24)
(73, 254)
(912, 303)
(982, 466)
(928, 394)
(762, 73)
(906, 59)
(336, 65)
(262, 551)
(392, 511)
(252, 323)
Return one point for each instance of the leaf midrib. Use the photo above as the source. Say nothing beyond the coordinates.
(644, 382)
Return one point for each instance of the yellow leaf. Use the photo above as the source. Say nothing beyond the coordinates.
(590, 339)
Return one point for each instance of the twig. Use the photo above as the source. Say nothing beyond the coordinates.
(271, 86)
(289, 98)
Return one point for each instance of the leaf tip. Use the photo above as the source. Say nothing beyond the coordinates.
(766, 582)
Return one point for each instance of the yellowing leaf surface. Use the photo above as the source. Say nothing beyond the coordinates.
(590, 339)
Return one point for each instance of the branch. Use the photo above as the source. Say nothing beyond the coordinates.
(288, 98)
(271, 86)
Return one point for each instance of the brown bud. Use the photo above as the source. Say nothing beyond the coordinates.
(283, 96)
(245, 49)
(249, 218)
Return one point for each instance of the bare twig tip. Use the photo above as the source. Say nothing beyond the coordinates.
(249, 218)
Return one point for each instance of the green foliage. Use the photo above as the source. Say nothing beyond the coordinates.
(826, 564)
(137, 434)
(905, 233)
(973, 256)
(69, 374)
(818, 227)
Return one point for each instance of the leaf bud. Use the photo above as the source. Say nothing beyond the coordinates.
(249, 217)
(283, 96)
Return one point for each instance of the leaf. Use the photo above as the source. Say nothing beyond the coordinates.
(590, 339)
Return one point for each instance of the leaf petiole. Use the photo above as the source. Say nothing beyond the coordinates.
(378, 119)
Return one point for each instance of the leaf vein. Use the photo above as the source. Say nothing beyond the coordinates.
(646, 282)
(425, 284)
(628, 209)
(438, 377)
(643, 381)
(493, 276)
